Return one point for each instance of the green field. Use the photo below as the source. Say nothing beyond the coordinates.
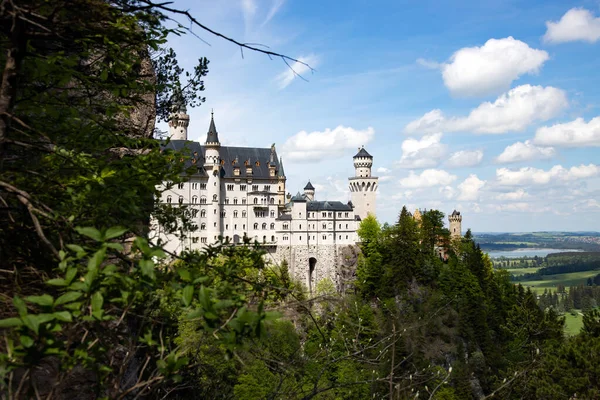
(522, 271)
(573, 323)
(552, 281)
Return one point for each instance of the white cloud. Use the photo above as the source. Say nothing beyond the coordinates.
(512, 111)
(298, 68)
(428, 63)
(526, 151)
(273, 10)
(448, 192)
(330, 143)
(464, 158)
(576, 133)
(383, 170)
(423, 153)
(535, 176)
(469, 188)
(491, 68)
(518, 194)
(576, 24)
(427, 178)
(523, 207)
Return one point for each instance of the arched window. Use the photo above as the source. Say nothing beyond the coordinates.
(244, 214)
(244, 200)
(272, 226)
(272, 201)
(169, 199)
(264, 225)
(272, 238)
(255, 200)
(180, 199)
(202, 213)
(194, 213)
(256, 226)
(235, 214)
(235, 200)
(203, 226)
(203, 200)
(194, 199)
(214, 197)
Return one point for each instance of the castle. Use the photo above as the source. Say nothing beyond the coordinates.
(239, 192)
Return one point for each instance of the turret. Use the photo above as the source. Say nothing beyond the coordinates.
(363, 186)
(212, 165)
(309, 191)
(281, 185)
(455, 220)
(179, 119)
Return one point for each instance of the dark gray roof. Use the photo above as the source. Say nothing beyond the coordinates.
(212, 135)
(327, 206)
(455, 212)
(309, 186)
(362, 153)
(280, 171)
(285, 217)
(298, 198)
(231, 156)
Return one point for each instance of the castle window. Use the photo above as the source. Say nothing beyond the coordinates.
(286, 226)
(202, 213)
(226, 226)
(203, 240)
(214, 197)
(215, 211)
(267, 188)
(264, 239)
(215, 225)
(272, 201)
(272, 214)
(180, 185)
(255, 200)
(229, 187)
(257, 163)
(195, 187)
(194, 199)
(180, 199)
(330, 215)
(195, 240)
(346, 215)
(244, 227)
(226, 200)
(235, 227)
(300, 226)
(346, 236)
(324, 226)
(203, 187)
(244, 214)
(255, 188)
(244, 200)
(194, 213)
(324, 237)
(285, 238)
(235, 201)
(324, 215)
(202, 200)
(272, 226)
(272, 238)
(340, 227)
(255, 226)
(300, 237)
(235, 214)
(169, 199)
(243, 188)
(339, 215)
(203, 227)
(223, 214)
(264, 226)
(346, 226)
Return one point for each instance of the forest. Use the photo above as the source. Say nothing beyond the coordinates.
(94, 308)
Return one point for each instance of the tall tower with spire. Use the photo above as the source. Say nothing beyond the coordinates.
(363, 186)
(212, 165)
(179, 120)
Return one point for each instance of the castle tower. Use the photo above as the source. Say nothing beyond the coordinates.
(281, 185)
(455, 220)
(309, 191)
(417, 216)
(179, 120)
(363, 186)
(212, 165)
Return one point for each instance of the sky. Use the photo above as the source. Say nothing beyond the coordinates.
(491, 108)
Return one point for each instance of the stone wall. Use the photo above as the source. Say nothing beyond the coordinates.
(310, 264)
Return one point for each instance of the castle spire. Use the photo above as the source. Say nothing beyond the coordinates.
(280, 171)
(212, 136)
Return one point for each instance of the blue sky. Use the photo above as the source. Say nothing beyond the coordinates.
(488, 107)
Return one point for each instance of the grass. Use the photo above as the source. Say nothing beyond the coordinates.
(573, 323)
(552, 281)
(522, 271)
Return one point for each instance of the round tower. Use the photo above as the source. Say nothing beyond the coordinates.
(212, 165)
(179, 119)
(309, 191)
(455, 220)
(363, 186)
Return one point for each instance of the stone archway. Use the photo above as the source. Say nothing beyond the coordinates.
(312, 263)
